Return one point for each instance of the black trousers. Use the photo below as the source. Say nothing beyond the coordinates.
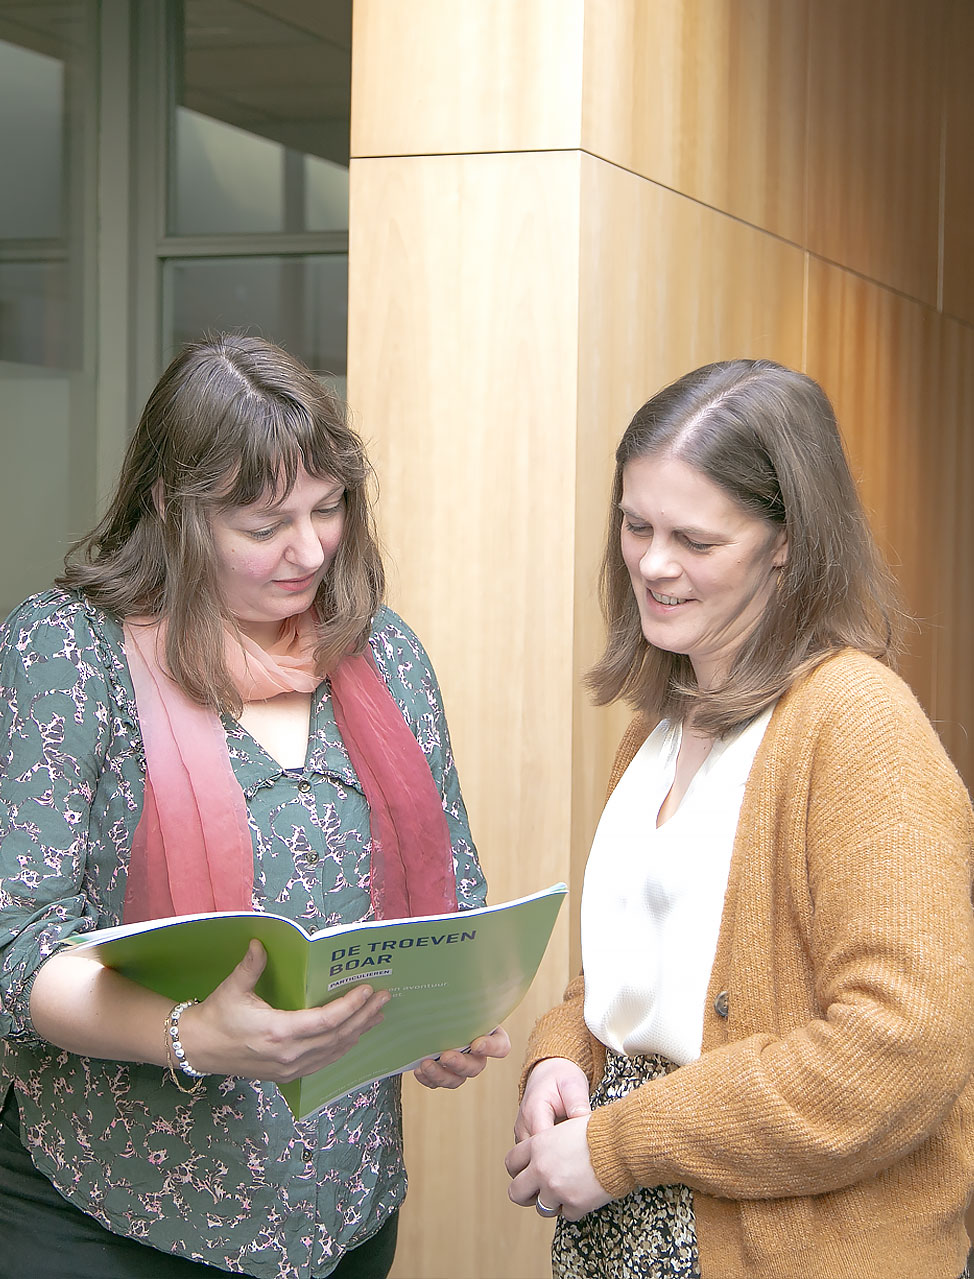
(42, 1236)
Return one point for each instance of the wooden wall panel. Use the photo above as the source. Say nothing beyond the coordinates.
(958, 269)
(704, 96)
(461, 75)
(691, 286)
(462, 354)
(900, 378)
(954, 426)
(875, 110)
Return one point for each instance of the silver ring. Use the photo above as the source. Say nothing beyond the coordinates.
(544, 1210)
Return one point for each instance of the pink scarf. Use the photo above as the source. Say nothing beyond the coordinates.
(192, 851)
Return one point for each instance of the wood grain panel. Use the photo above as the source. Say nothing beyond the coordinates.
(704, 96)
(462, 367)
(874, 132)
(665, 285)
(958, 282)
(901, 381)
(954, 673)
(439, 76)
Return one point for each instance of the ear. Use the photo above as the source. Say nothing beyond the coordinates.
(158, 500)
(780, 550)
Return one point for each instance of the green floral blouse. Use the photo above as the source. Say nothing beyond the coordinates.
(226, 1176)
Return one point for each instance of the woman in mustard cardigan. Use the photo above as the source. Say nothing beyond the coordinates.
(765, 1070)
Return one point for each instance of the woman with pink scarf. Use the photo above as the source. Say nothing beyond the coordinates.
(213, 711)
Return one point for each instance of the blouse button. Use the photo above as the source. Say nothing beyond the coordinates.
(312, 859)
(304, 786)
(722, 1004)
(308, 1155)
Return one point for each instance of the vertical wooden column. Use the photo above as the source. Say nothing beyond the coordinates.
(463, 341)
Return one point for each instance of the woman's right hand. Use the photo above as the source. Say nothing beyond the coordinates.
(556, 1089)
(234, 1032)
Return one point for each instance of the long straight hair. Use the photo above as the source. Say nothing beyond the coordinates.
(767, 436)
(232, 420)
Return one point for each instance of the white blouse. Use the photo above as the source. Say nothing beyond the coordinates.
(653, 897)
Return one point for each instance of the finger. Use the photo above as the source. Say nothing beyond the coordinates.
(466, 1065)
(517, 1159)
(524, 1189)
(497, 1044)
(535, 1115)
(575, 1098)
(433, 1073)
(345, 1019)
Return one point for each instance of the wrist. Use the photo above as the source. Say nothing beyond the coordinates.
(180, 1065)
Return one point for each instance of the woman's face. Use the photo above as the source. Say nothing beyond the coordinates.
(272, 556)
(702, 568)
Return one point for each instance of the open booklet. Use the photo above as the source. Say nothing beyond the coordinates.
(452, 977)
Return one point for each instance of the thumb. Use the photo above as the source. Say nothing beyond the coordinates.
(575, 1098)
(247, 973)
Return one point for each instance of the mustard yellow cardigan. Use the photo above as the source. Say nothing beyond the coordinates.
(827, 1129)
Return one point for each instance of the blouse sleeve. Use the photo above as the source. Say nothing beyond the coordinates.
(54, 735)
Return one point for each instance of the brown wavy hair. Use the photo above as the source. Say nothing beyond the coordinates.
(767, 436)
(232, 420)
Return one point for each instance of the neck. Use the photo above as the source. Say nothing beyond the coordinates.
(264, 634)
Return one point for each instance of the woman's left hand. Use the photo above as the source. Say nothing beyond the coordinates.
(554, 1166)
(451, 1069)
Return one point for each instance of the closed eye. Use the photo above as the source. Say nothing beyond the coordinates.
(696, 546)
(638, 530)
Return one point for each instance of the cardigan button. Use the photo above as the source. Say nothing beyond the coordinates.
(722, 1004)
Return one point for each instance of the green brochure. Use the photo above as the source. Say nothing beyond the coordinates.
(452, 977)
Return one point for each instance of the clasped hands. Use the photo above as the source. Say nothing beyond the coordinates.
(551, 1161)
(233, 1031)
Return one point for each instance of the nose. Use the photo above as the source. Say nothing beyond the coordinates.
(657, 562)
(304, 549)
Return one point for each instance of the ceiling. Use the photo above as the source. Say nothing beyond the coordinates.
(278, 68)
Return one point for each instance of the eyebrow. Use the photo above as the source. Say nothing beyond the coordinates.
(273, 507)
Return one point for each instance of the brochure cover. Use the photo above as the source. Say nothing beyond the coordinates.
(452, 977)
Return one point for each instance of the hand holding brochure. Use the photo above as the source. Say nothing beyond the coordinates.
(452, 977)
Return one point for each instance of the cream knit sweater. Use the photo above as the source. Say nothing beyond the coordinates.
(827, 1130)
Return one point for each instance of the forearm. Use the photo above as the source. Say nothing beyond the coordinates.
(79, 1005)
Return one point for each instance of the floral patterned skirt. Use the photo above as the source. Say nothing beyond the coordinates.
(650, 1233)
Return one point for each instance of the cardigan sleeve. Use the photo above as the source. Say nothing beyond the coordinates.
(562, 1033)
(862, 802)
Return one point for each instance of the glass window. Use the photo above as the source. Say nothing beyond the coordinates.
(299, 302)
(32, 154)
(257, 193)
(47, 492)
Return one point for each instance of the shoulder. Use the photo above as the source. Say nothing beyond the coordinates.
(58, 623)
(853, 687)
(854, 710)
(393, 641)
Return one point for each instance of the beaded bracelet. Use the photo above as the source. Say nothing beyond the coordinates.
(176, 1053)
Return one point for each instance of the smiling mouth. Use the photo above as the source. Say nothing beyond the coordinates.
(666, 599)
